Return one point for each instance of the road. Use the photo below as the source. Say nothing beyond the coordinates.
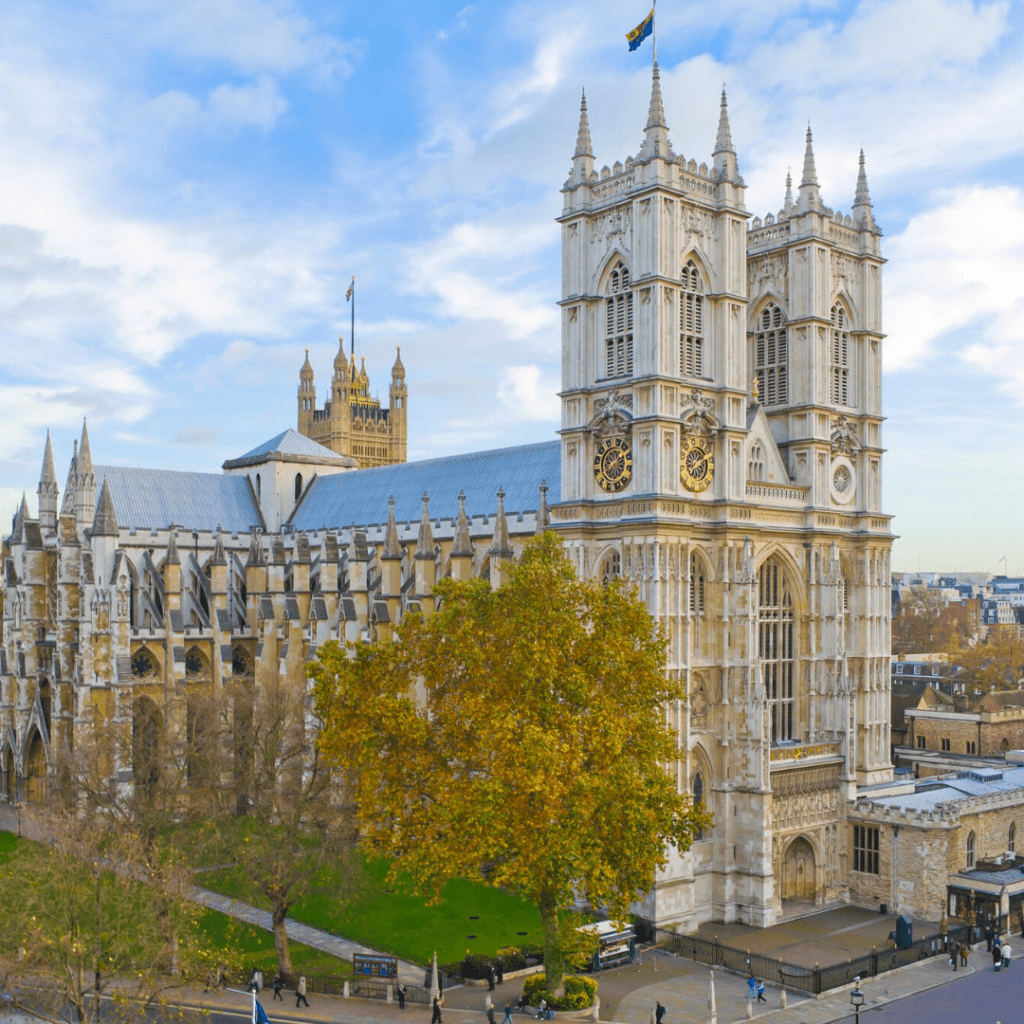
(981, 998)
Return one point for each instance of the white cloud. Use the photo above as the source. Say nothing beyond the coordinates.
(529, 395)
(958, 266)
(259, 104)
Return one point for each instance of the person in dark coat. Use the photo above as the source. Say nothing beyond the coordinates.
(277, 987)
(490, 977)
(997, 956)
(659, 1012)
(401, 995)
(500, 967)
(490, 1015)
(435, 1017)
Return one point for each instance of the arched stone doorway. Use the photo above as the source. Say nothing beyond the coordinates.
(35, 770)
(798, 871)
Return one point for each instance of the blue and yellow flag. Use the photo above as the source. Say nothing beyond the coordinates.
(641, 32)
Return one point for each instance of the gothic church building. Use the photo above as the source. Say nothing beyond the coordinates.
(720, 447)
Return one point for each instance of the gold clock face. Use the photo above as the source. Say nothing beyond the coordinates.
(613, 464)
(696, 464)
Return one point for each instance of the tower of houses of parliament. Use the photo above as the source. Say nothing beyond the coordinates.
(720, 447)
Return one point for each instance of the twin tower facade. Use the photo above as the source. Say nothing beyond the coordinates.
(721, 447)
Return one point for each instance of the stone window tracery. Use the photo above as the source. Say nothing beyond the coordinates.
(611, 568)
(865, 849)
(840, 356)
(776, 633)
(619, 324)
(772, 356)
(691, 322)
(755, 462)
(971, 850)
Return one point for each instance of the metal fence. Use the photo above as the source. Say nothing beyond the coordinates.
(359, 986)
(812, 980)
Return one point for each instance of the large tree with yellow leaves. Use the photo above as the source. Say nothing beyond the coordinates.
(518, 736)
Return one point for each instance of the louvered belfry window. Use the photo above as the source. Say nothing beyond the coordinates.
(619, 324)
(691, 322)
(772, 356)
(776, 638)
(840, 356)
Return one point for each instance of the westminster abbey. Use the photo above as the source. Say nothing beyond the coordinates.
(720, 446)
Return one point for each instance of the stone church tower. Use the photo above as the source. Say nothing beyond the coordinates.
(721, 448)
(352, 422)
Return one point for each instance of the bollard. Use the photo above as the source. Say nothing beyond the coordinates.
(783, 998)
(390, 997)
(750, 1010)
(345, 991)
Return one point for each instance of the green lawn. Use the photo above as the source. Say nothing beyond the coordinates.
(471, 916)
(256, 947)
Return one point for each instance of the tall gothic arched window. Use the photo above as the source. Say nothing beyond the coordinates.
(776, 634)
(698, 798)
(772, 356)
(840, 356)
(619, 324)
(1011, 838)
(971, 850)
(697, 584)
(691, 322)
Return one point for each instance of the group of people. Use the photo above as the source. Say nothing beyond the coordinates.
(755, 987)
(256, 983)
(958, 951)
(495, 973)
(1000, 953)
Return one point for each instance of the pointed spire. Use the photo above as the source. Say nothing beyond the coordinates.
(340, 362)
(656, 133)
(307, 368)
(725, 155)
(172, 557)
(84, 452)
(23, 510)
(49, 476)
(862, 214)
(425, 540)
(723, 143)
(502, 546)
(398, 370)
(68, 506)
(392, 549)
(48, 491)
(810, 198)
(543, 514)
(219, 558)
(583, 144)
(461, 544)
(788, 204)
(104, 523)
(18, 522)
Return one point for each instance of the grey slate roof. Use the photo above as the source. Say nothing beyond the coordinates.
(292, 443)
(951, 789)
(156, 498)
(361, 497)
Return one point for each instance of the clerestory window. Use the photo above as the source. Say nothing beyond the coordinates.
(619, 324)
(840, 356)
(691, 322)
(776, 636)
(772, 356)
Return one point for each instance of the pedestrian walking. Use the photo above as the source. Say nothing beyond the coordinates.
(435, 1017)
(1005, 949)
(490, 977)
(253, 985)
(490, 1014)
(507, 1019)
(760, 992)
(964, 951)
(952, 955)
(300, 992)
(997, 957)
(659, 1012)
(259, 980)
(401, 996)
(752, 988)
(500, 967)
(277, 987)
(988, 939)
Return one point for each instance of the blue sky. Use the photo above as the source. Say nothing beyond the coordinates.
(186, 188)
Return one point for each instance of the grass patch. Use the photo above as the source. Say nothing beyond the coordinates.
(393, 921)
(255, 947)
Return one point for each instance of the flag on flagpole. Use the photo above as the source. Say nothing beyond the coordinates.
(351, 288)
(261, 1014)
(641, 32)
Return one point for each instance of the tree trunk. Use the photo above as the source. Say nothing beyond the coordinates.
(278, 914)
(554, 961)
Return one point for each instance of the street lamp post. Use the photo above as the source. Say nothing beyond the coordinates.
(856, 998)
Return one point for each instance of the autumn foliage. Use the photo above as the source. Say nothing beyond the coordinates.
(518, 736)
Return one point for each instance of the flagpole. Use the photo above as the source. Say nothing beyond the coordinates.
(353, 328)
(253, 991)
(654, 27)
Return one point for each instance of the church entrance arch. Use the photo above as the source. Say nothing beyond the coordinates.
(35, 774)
(798, 871)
